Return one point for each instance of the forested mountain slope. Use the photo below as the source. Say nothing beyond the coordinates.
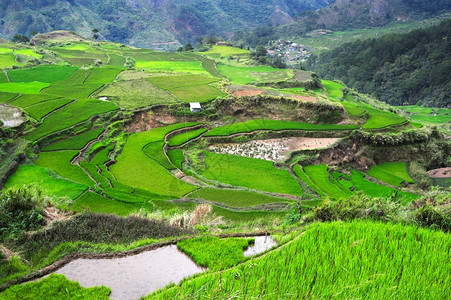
(398, 68)
(150, 23)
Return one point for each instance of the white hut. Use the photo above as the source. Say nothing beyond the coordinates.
(195, 107)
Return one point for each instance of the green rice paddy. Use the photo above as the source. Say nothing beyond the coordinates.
(394, 173)
(23, 88)
(44, 73)
(226, 51)
(184, 137)
(247, 75)
(194, 67)
(75, 142)
(321, 178)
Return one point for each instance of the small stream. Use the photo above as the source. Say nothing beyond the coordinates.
(11, 116)
(139, 275)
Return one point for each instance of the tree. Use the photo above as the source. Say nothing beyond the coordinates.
(18, 38)
(180, 49)
(95, 35)
(189, 47)
(260, 51)
(33, 32)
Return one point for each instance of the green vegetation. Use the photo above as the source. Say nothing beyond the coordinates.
(275, 125)
(318, 274)
(427, 115)
(226, 51)
(20, 210)
(215, 253)
(235, 198)
(154, 150)
(184, 137)
(55, 287)
(38, 111)
(48, 183)
(44, 73)
(103, 75)
(5, 97)
(132, 94)
(176, 157)
(188, 88)
(297, 169)
(60, 163)
(29, 100)
(23, 88)
(334, 89)
(79, 91)
(7, 60)
(382, 119)
(75, 142)
(394, 173)
(70, 115)
(136, 169)
(246, 75)
(172, 66)
(251, 173)
(319, 176)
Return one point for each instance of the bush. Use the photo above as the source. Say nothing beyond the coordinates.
(420, 175)
(20, 210)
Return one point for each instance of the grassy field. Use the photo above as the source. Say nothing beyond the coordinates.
(79, 91)
(381, 119)
(188, 88)
(335, 260)
(182, 138)
(60, 163)
(70, 115)
(135, 168)
(7, 60)
(40, 110)
(31, 175)
(307, 180)
(275, 125)
(44, 73)
(394, 173)
(5, 97)
(246, 75)
(235, 198)
(132, 94)
(27, 100)
(176, 157)
(116, 60)
(23, 88)
(194, 67)
(55, 287)
(334, 89)
(215, 253)
(427, 115)
(375, 190)
(103, 75)
(75, 142)
(154, 150)
(251, 173)
(319, 176)
(226, 51)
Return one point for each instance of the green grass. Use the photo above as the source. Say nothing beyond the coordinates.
(27, 52)
(381, 119)
(91, 168)
(55, 287)
(275, 125)
(44, 73)
(116, 60)
(102, 156)
(188, 88)
(307, 180)
(136, 169)
(172, 66)
(38, 111)
(23, 88)
(5, 97)
(215, 253)
(226, 51)
(132, 94)
(70, 115)
(7, 60)
(103, 75)
(78, 77)
(79, 91)
(96, 203)
(235, 198)
(29, 100)
(176, 157)
(427, 115)
(247, 216)
(29, 175)
(60, 163)
(75, 142)
(251, 173)
(394, 173)
(182, 138)
(320, 177)
(358, 260)
(375, 190)
(334, 89)
(208, 64)
(154, 150)
(246, 75)
(353, 109)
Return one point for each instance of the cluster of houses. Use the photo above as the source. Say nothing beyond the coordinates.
(291, 53)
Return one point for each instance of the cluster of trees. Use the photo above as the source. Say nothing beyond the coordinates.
(398, 68)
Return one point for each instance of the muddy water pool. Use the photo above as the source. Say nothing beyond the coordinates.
(11, 116)
(138, 275)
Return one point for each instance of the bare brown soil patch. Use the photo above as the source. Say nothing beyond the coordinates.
(247, 93)
(441, 173)
(304, 98)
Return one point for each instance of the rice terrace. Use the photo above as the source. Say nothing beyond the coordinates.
(282, 186)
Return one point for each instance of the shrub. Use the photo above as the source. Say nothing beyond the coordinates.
(20, 210)
(420, 175)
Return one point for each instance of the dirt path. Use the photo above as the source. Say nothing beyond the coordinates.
(7, 77)
(441, 173)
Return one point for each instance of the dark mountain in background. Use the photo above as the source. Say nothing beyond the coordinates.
(160, 24)
(398, 68)
(345, 15)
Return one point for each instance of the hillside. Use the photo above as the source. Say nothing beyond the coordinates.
(398, 68)
(162, 24)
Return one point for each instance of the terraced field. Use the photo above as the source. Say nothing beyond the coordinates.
(247, 75)
(394, 173)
